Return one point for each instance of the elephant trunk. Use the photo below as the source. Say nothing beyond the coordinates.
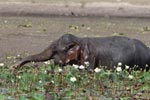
(43, 56)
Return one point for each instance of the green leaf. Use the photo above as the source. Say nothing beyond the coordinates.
(146, 75)
(22, 98)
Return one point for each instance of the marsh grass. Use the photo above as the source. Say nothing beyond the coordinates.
(50, 83)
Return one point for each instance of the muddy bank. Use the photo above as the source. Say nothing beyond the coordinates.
(111, 9)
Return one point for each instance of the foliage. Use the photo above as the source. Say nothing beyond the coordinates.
(53, 82)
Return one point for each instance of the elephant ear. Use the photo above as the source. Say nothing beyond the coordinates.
(86, 52)
(72, 53)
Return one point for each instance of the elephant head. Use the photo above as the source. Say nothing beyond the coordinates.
(63, 51)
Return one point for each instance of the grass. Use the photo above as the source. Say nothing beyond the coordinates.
(54, 83)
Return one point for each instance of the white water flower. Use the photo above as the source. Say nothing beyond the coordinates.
(130, 77)
(75, 66)
(97, 70)
(45, 71)
(19, 77)
(118, 69)
(87, 63)
(60, 70)
(40, 81)
(1, 64)
(81, 67)
(119, 64)
(47, 62)
(73, 79)
(52, 81)
(126, 66)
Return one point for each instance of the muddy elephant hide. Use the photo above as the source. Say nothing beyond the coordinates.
(98, 51)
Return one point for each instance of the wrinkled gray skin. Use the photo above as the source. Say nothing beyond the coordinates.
(104, 51)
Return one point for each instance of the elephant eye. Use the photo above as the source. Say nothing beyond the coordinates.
(69, 47)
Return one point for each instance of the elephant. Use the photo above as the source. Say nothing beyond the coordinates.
(98, 51)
